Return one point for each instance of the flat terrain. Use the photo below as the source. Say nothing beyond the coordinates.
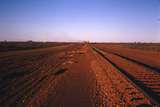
(79, 75)
(13, 46)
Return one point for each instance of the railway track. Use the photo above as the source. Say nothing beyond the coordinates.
(147, 80)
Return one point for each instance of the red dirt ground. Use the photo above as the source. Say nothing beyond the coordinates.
(144, 56)
(74, 75)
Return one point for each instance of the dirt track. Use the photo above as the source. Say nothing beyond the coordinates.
(144, 76)
(76, 76)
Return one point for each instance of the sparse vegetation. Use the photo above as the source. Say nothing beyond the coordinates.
(12, 46)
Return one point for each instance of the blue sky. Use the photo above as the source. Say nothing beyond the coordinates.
(78, 20)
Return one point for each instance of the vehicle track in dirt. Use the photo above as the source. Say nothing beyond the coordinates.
(157, 69)
(147, 80)
(23, 74)
(74, 75)
(142, 57)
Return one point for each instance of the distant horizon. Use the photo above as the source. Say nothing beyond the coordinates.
(80, 20)
(79, 41)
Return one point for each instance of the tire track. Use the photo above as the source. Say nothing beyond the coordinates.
(136, 77)
(20, 85)
(157, 69)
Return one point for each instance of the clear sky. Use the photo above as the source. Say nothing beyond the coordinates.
(78, 20)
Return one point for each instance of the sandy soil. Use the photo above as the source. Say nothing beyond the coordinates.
(144, 56)
(66, 76)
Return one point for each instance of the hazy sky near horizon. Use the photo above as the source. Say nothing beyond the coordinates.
(78, 20)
